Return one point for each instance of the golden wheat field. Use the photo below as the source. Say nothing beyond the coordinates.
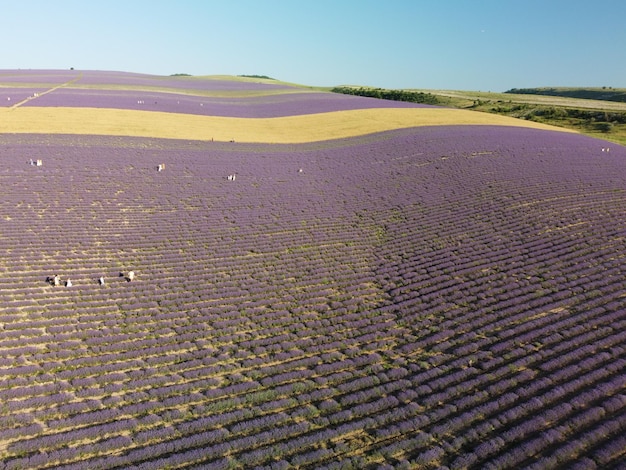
(291, 129)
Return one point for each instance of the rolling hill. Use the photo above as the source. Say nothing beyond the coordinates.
(320, 281)
(93, 103)
(578, 109)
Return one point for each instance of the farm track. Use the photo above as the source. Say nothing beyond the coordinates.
(54, 88)
(465, 311)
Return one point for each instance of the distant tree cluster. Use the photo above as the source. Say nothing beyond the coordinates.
(180, 75)
(394, 95)
(604, 94)
(257, 76)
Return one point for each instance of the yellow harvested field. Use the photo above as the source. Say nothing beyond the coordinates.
(291, 129)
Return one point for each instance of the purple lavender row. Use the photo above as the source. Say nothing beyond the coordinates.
(13, 96)
(104, 78)
(259, 107)
(52, 77)
(93, 77)
(61, 439)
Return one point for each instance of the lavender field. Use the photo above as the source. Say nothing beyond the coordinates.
(287, 104)
(127, 80)
(436, 297)
(184, 95)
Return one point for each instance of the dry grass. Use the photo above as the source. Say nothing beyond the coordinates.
(292, 129)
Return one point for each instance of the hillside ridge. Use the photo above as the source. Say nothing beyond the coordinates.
(591, 93)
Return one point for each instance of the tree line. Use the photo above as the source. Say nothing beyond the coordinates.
(395, 95)
(604, 94)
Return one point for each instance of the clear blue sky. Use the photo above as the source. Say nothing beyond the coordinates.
(488, 45)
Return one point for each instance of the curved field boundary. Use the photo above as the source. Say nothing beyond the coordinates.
(292, 129)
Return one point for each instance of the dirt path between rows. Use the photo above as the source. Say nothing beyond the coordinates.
(37, 95)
